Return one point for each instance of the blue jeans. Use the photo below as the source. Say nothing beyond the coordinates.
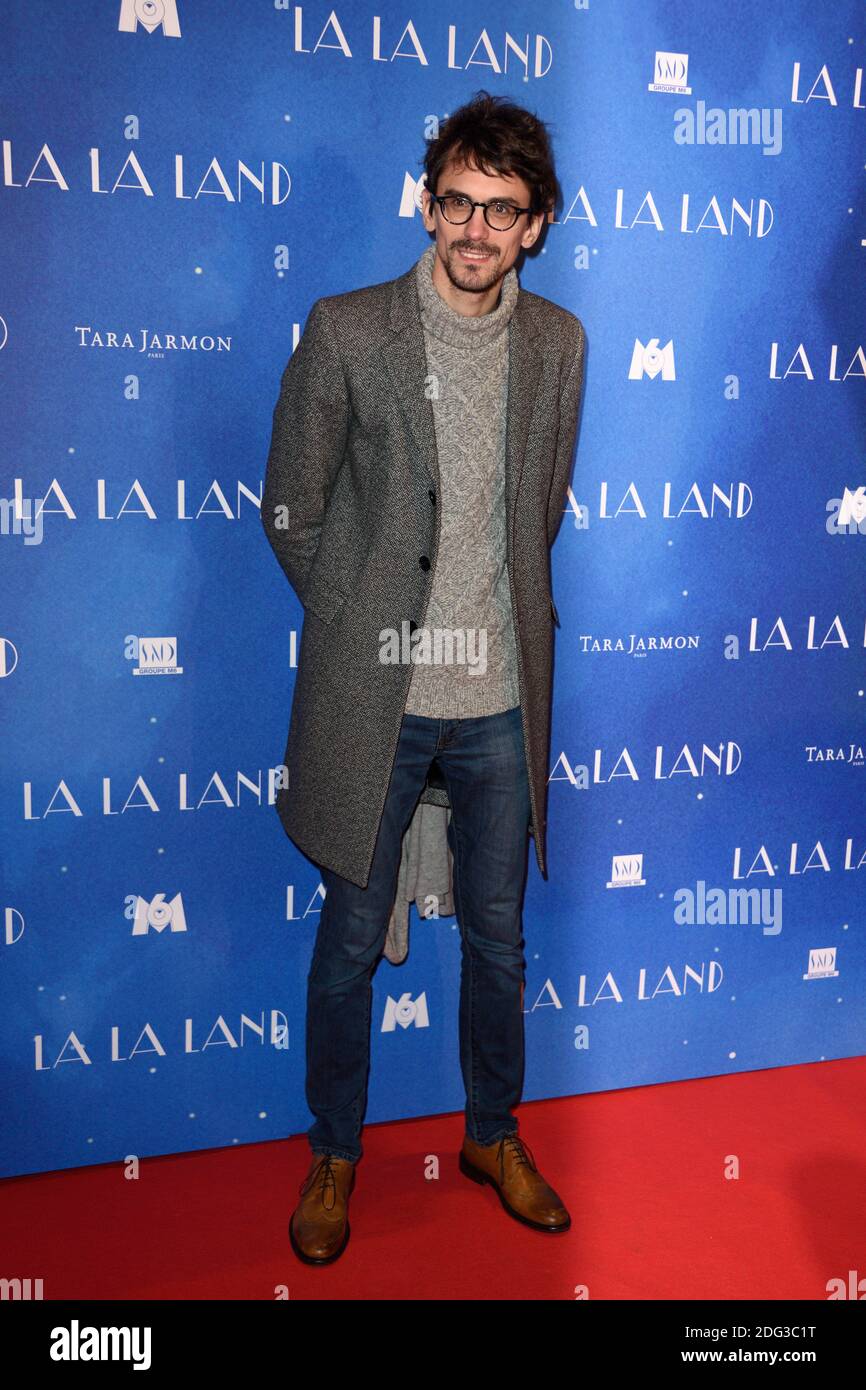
(483, 763)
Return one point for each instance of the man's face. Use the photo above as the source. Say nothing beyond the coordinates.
(474, 256)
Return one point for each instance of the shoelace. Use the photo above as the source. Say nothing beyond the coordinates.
(323, 1172)
(522, 1154)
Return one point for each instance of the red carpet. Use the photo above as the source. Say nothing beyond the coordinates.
(642, 1172)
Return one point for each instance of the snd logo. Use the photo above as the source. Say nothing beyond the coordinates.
(150, 14)
(8, 657)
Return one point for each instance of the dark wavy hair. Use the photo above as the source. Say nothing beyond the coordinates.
(496, 136)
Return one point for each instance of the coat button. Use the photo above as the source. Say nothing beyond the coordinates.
(424, 562)
(432, 495)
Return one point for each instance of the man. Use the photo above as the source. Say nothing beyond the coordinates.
(417, 476)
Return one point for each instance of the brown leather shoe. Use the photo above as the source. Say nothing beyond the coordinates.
(508, 1164)
(319, 1228)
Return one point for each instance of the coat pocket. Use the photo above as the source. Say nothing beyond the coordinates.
(322, 598)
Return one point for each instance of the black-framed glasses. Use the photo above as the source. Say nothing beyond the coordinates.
(457, 208)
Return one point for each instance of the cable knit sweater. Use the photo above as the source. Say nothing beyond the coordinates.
(467, 363)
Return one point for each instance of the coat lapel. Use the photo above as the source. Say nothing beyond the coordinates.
(406, 361)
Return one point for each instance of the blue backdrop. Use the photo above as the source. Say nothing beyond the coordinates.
(179, 183)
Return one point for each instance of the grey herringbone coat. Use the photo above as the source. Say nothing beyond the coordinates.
(350, 508)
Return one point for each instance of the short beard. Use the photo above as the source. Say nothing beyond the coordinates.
(476, 285)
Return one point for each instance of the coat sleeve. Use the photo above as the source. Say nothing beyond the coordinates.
(310, 427)
(569, 416)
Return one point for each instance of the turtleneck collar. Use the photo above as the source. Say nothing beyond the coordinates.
(461, 330)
